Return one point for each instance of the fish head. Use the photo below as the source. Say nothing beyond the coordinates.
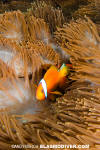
(41, 92)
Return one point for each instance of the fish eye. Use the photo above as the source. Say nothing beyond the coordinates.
(42, 91)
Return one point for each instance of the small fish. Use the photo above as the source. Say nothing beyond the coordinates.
(52, 78)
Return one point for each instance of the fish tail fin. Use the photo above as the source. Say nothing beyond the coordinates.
(64, 70)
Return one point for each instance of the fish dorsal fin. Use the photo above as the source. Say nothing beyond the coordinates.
(64, 70)
(56, 92)
(53, 68)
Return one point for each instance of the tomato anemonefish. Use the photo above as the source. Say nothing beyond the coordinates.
(52, 78)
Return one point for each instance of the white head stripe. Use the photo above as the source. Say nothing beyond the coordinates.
(44, 85)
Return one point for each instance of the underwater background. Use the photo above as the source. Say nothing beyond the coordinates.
(38, 34)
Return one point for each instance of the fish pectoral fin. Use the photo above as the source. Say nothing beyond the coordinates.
(56, 93)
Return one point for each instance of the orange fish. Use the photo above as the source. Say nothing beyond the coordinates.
(52, 78)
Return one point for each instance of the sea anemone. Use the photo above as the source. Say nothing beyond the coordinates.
(73, 118)
(12, 5)
(12, 90)
(91, 10)
(22, 41)
(38, 29)
(81, 40)
(54, 17)
(13, 26)
(14, 56)
(17, 95)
